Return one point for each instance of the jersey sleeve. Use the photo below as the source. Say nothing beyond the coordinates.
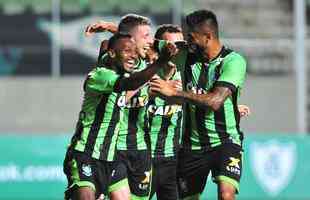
(233, 73)
(101, 80)
(159, 45)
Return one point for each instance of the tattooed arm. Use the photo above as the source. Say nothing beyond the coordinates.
(214, 99)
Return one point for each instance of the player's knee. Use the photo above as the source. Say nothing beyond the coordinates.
(121, 194)
(227, 195)
(226, 191)
(86, 196)
(84, 193)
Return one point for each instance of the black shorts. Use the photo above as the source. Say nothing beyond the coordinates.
(164, 179)
(84, 171)
(225, 163)
(134, 166)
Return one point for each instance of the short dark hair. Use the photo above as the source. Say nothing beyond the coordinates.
(115, 38)
(167, 28)
(130, 21)
(200, 17)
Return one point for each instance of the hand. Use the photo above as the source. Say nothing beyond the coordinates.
(100, 26)
(169, 70)
(151, 55)
(168, 52)
(176, 84)
(244, 110)
(163, 87)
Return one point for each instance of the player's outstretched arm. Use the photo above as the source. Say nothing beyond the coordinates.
(213, 99)
(137, 79)
(101, 26)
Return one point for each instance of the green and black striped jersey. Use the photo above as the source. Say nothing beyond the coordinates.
(98, 123)
(165, 125)
(206, 128)
(133, 126)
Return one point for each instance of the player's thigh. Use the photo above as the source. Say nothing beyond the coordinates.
(122, 193)
(139, 173)
(193, 170)
(85, 176)
(228, 168)
(167, 186)
(119, 188)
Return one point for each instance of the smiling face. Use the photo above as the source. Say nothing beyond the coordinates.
(125, 54)
(143, 38)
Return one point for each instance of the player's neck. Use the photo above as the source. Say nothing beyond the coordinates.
(214, 50)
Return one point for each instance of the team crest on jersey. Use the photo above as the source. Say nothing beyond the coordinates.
(166, 110)
(273, 164)
(86, 170)
(134, 102)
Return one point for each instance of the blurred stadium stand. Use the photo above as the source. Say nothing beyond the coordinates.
(254, 23)
(261, 30)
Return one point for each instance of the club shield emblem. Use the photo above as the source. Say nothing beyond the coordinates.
(273, 164)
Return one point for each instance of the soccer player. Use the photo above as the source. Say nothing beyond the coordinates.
(244, 109)
(133, 144)
(165, 126)
(90, 157)
(214, 77)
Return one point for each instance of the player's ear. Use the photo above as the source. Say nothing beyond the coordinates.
(112, 53)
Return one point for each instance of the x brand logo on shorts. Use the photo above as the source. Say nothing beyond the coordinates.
(147, 177)
(234, 162)
(233, 166)
(146, 181)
